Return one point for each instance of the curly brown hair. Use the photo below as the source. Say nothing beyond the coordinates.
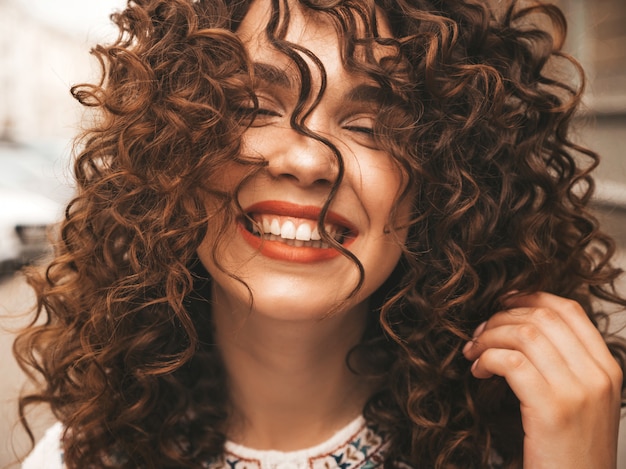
(478, 122)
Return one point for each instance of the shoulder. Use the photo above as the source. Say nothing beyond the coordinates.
(48, 453)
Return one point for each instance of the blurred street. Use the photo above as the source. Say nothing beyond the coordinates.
(15, 299)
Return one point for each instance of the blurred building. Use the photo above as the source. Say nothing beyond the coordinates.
(38, 65)
(597, 37)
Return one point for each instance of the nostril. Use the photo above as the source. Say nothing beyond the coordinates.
(287, 176)
(322, 182)
(304, 162)
(301, 178)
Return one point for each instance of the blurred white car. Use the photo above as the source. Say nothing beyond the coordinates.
(26, 220)
(30, 168)
(30, 204)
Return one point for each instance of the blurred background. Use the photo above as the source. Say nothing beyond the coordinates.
(44, 50)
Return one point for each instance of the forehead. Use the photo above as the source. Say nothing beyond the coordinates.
(303, 26)
(321, 47)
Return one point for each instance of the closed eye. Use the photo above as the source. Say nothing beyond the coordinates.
(257, 112)
(356, 128)
(361, 129)
(246, 110)
(361, 124)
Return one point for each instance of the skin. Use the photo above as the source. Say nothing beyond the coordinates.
(558, 365)
(300, 171)
(285, 356)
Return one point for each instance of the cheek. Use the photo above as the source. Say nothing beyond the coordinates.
(220, 200)
(380, 185)
(208, 245)
(389, 219)
(220, 226)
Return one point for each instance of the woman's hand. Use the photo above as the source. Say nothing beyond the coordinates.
(559, 367)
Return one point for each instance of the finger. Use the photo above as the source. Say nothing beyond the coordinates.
(530, 341)
(520, 374)
(526, 323)
(577, 320)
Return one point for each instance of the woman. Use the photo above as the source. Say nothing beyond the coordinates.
(329, 234)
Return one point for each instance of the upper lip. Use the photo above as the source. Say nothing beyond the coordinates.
(310, 212)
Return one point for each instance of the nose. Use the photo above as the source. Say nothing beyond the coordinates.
(302, 159)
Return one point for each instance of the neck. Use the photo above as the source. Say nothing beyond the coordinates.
(289, 383)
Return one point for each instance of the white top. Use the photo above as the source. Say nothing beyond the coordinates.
(357, 445)
(47, 453)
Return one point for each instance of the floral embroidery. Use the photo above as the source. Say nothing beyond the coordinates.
(362, 449)
(358, 446)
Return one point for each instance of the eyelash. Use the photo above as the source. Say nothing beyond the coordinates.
(360, 123)
(257, 111)
(262, 112)
(248, 110)
(361, 129)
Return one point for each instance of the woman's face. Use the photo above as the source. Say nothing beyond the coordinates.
(290, 274)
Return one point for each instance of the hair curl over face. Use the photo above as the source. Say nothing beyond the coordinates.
(477, 122)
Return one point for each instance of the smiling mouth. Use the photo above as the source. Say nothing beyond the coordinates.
(297, 232)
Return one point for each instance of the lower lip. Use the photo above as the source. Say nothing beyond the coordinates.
(284, 252)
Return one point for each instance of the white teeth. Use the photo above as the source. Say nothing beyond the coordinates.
(288, 230)
(275, 227)
(303, 233)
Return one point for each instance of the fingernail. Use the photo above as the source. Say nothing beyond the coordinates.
(468, 347)
(479, 330)
(475, 364)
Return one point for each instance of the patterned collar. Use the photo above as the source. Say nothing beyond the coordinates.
(356, 446)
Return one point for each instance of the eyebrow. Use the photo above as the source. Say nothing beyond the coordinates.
(273, 75)
(363, 93)
(366, 93)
